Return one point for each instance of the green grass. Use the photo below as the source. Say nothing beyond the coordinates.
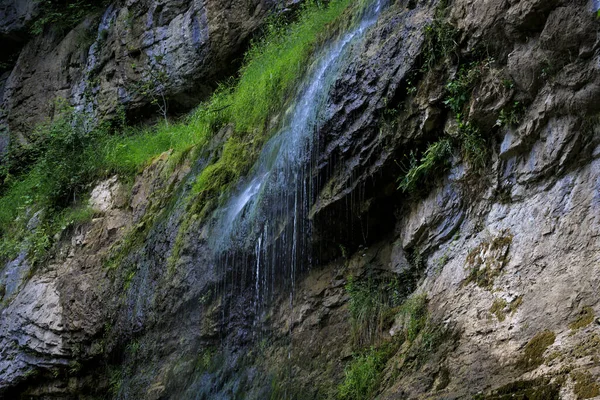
(362, 376)
(68, 157)
(274, 66)
(371, 306)
(436, 158)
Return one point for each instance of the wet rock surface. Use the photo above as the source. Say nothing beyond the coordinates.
(508, 257)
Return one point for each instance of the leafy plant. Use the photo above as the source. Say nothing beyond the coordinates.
(436, 158)
(473, 146)
(460, 88)
(440, 38)
(512, 115)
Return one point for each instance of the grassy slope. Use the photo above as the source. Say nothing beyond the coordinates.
(73, 158)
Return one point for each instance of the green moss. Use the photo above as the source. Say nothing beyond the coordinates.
(514, 305)
(533, 355)
(590, 346)
(585, 317)
(498, 309)
(536, 389)
(487, 260)
(586, 386)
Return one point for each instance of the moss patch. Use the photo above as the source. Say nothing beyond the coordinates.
(585, 385)
(533, 355)
(585, 317)
(487, 260)
(536, 389)
(498, 309)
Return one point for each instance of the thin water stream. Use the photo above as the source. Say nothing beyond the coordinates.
(261, 238)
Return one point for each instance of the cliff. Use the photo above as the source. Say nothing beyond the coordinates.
(414, 216)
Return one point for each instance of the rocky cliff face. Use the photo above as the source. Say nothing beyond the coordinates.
(125, 57)
(500, 244)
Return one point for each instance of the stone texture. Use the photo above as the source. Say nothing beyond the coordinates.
(531, 217)
(109, 60)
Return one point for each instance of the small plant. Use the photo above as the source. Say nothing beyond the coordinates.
(440, 39)
(115, 378)
(460, 88)
(363, 375)
(371, 306)
(415, 315)
(473, 146)
(511, 116)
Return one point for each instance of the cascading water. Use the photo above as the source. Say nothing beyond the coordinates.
(261, 237)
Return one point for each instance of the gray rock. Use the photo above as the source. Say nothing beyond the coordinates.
(190, 44)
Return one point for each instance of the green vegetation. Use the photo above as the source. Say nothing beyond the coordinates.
(372, 303)
(511, 115)
(585, 385)
(268, 80)
(414, 315)
(435, 159)
(440, 38)
(67, 156)
(459, 89)
(585, 317)
(115, 379)
(363, 375)
(533, 355)
(467, 139)
(420, 336)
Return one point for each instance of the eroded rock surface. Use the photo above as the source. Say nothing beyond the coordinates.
(508, 255)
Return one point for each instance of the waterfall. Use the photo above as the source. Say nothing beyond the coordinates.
(261, 237)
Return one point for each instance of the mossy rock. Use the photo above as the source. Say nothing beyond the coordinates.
(533, 356)
(498, 309)
(586, 386)
(536, 389)
(487, 260)
(585, 317)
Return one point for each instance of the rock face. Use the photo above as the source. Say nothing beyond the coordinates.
(128, 56)
(507, 254)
